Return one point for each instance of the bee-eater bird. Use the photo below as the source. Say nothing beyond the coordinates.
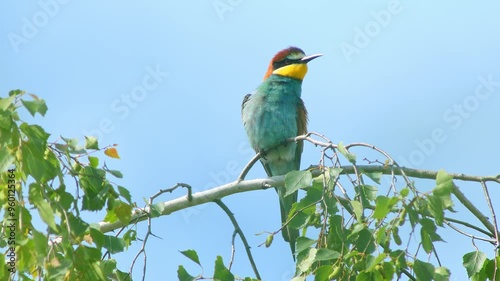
(275, 112)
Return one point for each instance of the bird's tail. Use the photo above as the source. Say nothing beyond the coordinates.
(289, 234)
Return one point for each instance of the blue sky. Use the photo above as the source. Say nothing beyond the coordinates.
(165, 80)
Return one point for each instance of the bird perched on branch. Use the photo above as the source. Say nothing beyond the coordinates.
(275, 112)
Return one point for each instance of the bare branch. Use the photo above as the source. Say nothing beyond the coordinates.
(473, 209)
(238, 230)
(492, 210)
(198, 198)
(478, 229)
(150, 232)
(222, 191)
(248, 166)
(468, 234)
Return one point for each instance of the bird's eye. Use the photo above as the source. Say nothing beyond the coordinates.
(283, 62)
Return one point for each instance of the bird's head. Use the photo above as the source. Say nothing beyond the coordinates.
(290, 62)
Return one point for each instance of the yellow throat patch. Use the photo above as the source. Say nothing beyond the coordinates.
(297, 71)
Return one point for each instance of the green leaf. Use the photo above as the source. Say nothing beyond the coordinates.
(444, 188)
(375, 176)
(44, 209)
(77, 225)
(382, 207)
(351, 157)
(155, 210)
(125, 194)
(412, 214)
(221, 272)
(124, 212)
(473, 262)
(97, 237)
(93, 184)
(295, 180)
(130, 236)
(6, 102)
(122, 276)
(38, 162)
(111, 217)
(365, 243)
(7, 124)
(357, 228)
(396, 237)
(399, 258)
(490, 269)
(304, 243)
(183, 275)
(325, 254)
(312, 195)
(93, 161)
(93, 203)
(116, 173)
(40, 242)
(374, 261)
(436, 208)
(367, 192)
(6, 159)
(37, 105)
(426, 240)
(442, 274)
(72, 143)
(429, 226)
(332, 176)
(306, 263)
(404, 192)
(16, 92)
(365, 276)
(58, 271)
(91, 143)
(381, 235)
(113, 244)
(108, 266)
(444, 178)
(388, 269)
(73, 146)
(192, 255)
(358, 210)
(300, 219)
(61, 147)
(85, 255)
(424, 271)
(323, 273)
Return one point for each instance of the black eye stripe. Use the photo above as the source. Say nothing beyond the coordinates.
(285, 62)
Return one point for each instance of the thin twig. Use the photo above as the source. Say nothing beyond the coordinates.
(177, 185)
(408, 274)
(416, 173)
(248, 166)
(233, 250)
(473, 209)
(219, 192)
(494, 218)
(469, 226)
(240, 233)
(468, 234)
(150, 232)
(492, 210)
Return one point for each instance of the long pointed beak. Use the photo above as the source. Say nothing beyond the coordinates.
(307, 59)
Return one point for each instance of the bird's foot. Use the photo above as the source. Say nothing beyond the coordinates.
(263, 154)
